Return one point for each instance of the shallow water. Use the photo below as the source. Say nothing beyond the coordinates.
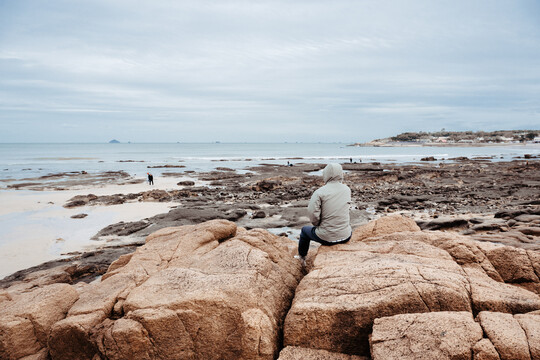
(18, 161)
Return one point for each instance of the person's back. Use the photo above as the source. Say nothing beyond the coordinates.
(328, 211)
(329, 206)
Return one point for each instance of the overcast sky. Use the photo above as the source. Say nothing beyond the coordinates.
(265, 71)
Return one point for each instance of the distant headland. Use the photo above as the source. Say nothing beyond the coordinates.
(458, 138)
(114, 141)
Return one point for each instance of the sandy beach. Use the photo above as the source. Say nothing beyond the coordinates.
(38, 228)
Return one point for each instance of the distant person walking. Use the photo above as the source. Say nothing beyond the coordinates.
(328, 211)
(150, 179)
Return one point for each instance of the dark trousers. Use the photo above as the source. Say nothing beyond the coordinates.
(307, 235)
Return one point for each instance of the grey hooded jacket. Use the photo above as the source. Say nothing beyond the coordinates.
(329, 206)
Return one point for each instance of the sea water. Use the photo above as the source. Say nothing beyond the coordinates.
(19, 161)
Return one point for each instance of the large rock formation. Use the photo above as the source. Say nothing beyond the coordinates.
(204, 292)
(215, 291)
(210, 291)
(391, 273)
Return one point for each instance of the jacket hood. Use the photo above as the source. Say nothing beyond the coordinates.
(332, 172)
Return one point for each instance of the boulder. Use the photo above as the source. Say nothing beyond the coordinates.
(26, 319)
(208, 292)
(80, 200)
(259, 214)
(383, 273)
(385, 225)
(490, 295)
(267, 185)
(156, 195)
(444, 223)
(298, 353)
(513, 264)
(436, 335)
(484, 350)
(507, 335)
(351, 285)
(186, 183)
(122, 228)
(463, 250)
(530, 323)
(488, 290)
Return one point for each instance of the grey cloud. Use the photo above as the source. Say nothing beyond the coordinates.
(265, 70)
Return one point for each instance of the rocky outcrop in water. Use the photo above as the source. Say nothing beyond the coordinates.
(215, 291)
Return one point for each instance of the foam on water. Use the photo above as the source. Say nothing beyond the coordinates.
(19, 161)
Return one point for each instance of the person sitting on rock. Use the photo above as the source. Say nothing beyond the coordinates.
(329, 213)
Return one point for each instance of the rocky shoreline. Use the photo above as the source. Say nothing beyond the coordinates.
(218, 291)
(459, 256)
(473, 197)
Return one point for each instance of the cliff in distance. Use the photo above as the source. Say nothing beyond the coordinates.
(216, 291)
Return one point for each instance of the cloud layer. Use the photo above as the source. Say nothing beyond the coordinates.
(253, 71)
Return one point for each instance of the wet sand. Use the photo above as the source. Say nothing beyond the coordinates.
(37, 227)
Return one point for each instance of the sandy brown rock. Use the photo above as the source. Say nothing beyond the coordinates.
(490, 295)
(400, 272)
(298, 353)
(534, 257)
(197, 292)
(488, 291)
(463, 250)
(506, 334)
(513, 264)
(71, 338)
(352, 285)
(26, 319)
(436, 335)
(383, 226)
(530, 323)
(484, 350)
